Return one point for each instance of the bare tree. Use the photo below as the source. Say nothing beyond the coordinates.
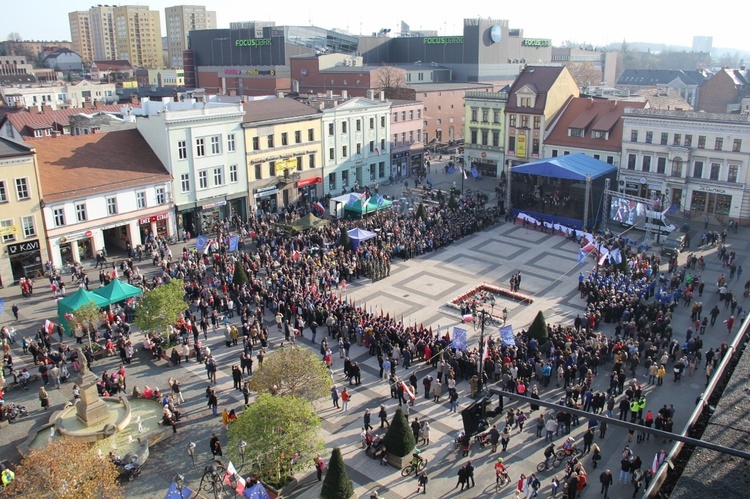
(584, 73)
(12, 45)
(391, 80)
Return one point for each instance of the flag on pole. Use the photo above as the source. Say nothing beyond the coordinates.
(231, 471)
(49, 326)
(507, 336)
(319, 206)
(486, 349)
(459, 338)
(463, 170)
(377, 150)
(182, 493)
(467, 318)
(655, 465)
(380, 200)
(581, 257)
(257, 491)
(352, 199)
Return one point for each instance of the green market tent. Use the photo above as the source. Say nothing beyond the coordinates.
(371, 207)
(307, 222)
(70, 304)
(117, 291)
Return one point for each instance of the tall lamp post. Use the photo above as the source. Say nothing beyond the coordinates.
(241, 447)
(191, 452)
(480, 319)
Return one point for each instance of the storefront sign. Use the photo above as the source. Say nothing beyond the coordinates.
(153, 218)
(265, 192)
(521, 146)
(309, 181)
(536, 42)
(214, 205)
(89, 233)
(285, 164)
(9, 230)
(18, 248)
(252, 42)
(443, 40)
(256, 72)
(706, 188)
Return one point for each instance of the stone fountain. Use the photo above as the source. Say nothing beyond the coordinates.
(102, 420)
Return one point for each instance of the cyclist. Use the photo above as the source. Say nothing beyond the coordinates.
(500, 471)
(569, 446)
(549, 453)
(416, 462)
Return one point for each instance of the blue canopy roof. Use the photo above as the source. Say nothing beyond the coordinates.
(569, 167)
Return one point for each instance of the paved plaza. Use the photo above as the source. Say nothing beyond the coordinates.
(417, 289)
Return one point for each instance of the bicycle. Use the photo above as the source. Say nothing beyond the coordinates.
(501, 480)
(554, 463)
(562, 454)
(416, 469)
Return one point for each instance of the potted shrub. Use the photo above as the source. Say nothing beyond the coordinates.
(399, 440)
(337, 484)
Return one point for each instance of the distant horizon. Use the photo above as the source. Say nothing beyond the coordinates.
(665, 23)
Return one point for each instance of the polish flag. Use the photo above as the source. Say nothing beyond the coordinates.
(319, 206)
(377, 150)
(49, 326)
(467, 318)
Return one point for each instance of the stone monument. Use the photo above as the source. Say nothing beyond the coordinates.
(90, 409)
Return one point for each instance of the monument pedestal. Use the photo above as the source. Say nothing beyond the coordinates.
(90, 409)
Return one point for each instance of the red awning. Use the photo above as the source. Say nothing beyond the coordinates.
(309, 181)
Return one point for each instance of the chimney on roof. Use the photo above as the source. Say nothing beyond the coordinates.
(344, 94)
(329, 94)
(382, 96)
(371, 94)
(86, 104)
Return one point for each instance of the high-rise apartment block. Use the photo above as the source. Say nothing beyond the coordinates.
(108, 32)
(80, 35)
(180, 21)
(138, 35)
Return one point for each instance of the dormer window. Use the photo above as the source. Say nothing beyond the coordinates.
(575, 132)
(598, 134)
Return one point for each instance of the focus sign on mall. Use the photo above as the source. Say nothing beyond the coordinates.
(443, 40)
(252, 42)
(536, 42)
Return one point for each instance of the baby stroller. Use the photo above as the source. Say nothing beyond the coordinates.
(483, 439)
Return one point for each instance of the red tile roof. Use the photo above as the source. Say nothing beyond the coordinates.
(76, 166)
(28, 121)
(591, 115)
(112, 65)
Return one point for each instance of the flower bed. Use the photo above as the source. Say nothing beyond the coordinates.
(483, 295)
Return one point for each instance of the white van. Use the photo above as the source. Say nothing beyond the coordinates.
(656, 222)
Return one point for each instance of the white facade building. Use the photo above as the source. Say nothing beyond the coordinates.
(697, 161)
(202, 145)
(59, 95)
(356, 144)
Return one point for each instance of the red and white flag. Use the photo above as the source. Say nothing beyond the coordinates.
(319, 206)
(377, 150)
(49, 326)
(463, 170)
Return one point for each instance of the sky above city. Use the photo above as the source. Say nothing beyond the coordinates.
(670, 22)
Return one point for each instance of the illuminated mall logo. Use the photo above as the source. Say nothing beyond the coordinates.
(536, 42)
(443, 40)
(252, 42)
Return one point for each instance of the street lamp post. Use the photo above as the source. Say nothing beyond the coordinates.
(179, 481)
(241, 447)
(481, 317)
(191, 452)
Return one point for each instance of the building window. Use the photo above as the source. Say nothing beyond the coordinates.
(359, 148)
(474, 114)
(9, 237)
(382, 122)
(664, 138)
(112, 206)
(231, 146)
(343, 127)
(219, 176)
(411, 137)
(677, 167)
(611, 160)
(485, 115)
(524, 121)
(688, 141)
(233, 174)
(311, 160)
(298, 136)
(332, 181)
(22, 188)
(140, 199)
(733, 173)
(359, 124)
(698, 169)
(676, 139)
(299, 163)
(382, 145)
(473, 137)
(485, 138)
(203, 179)
(718, 143)
(272, 169)
(269, 138)
(59, 217)
(599, 134)
(715, 171)
(3, 192)
(372, 123)
(330, 129)
(554, 153)
(535, 146)
(256, 143)
(395, 117)
(512, 145)
(496, 116)
(411, 117)
(512, 121)
(649, 137)
(182, 149)
(345, 178)
(537, 122)
(200, 147)
(344, 151)
(403, 115)
(646, 164)
(310, 134)
(634, 136)
(631, 161)
(257, 172)
(80, 212)
(661, 165)
(29, 230)
(575, 132)
(331, 153)
(701, 141)
(161, 195)
(185, 182)
(284, 139)
(736, 145)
